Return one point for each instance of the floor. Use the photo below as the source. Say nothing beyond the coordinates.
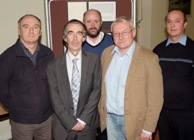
(5, 130)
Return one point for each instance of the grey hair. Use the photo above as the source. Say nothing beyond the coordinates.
(120, 20)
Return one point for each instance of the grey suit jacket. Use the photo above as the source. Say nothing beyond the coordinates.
(61, 96)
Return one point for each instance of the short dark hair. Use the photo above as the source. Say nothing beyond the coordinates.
(74, 21)
(184, 15)
(28, 15)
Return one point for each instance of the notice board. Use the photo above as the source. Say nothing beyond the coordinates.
(60, 11)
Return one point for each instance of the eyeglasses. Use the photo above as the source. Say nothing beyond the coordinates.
(124, 33)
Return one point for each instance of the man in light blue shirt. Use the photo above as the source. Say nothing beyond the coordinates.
(132, 90)
(119, 66)
(176, 54)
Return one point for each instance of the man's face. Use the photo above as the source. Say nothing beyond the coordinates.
(123, 35)
(93, 23)
(75, 37)
(175, 24)
(29, 30)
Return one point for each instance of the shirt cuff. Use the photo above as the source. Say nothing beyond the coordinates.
(82, 122)
(146, 132)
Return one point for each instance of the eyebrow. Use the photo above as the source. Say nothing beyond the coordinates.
(33, 25)
(75, 32)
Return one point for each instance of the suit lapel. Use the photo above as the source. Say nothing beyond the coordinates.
(106, 62)
(84, 69)
(134, 63)
(64, 74)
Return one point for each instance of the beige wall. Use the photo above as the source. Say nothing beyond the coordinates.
(11, 11)
(190, 24)
(149, 34)
(152, 27)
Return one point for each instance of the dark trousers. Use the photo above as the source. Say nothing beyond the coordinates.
(90, 135)
(101, 136)
(176, 125)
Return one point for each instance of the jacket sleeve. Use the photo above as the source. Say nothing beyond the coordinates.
(61, 111)
(154, 95)
(5, 68)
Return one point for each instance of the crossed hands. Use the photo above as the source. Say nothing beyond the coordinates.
(78, 126)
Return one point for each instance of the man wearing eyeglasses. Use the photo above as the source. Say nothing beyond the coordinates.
(75, 81)
(132, 89)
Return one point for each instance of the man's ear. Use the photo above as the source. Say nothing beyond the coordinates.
(84, 38)
(18, 32)
(185, 25)
(134, 32)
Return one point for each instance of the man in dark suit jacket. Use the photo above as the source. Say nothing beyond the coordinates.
(70, 123)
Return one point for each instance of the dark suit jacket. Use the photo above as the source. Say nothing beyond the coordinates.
(61, 97)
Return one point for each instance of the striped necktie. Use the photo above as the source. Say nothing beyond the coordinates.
(75, 84)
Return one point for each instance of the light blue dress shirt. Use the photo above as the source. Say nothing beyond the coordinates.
(115, 80)
(181, 41)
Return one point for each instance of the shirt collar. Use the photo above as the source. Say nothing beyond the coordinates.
(71, 56)
(181, 41)
(99, 39)
(26, 49)
(128, 53)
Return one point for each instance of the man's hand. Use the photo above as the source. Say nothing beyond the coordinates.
(145, 136)
(78, 127)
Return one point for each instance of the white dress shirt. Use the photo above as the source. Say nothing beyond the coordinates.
(69, 61)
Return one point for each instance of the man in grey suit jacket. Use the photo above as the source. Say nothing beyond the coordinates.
(70, 123)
